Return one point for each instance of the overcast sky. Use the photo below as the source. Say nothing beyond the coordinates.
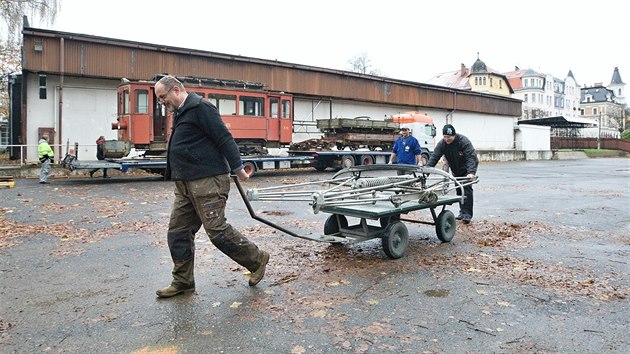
(409, 40)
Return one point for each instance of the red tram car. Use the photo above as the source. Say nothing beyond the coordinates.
(257, 118)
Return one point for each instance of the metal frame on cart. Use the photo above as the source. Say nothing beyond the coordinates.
(368, 193)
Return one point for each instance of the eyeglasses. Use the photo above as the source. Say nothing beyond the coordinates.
(163, 96)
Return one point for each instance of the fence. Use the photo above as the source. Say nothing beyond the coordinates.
(589, 143)
(14, 154)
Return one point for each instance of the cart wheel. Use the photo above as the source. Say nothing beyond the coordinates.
(395, 239)
(331, 226)
(384, 221)
(445, 226)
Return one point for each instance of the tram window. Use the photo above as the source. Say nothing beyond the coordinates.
(142, 101)
(286, 109)
(251, 106)
(125, 102)
(225, 103)
(273, 102)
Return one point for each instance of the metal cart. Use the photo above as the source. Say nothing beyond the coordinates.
(369, 193)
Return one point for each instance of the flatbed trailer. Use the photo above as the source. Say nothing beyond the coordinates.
(152, 165)
(320, 160)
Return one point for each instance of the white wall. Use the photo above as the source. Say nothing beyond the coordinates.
(486, 132)
(89, 108)
(533, 138)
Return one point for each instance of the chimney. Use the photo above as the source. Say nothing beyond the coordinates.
(463, 70)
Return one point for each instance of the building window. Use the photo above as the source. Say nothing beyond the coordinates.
(525, 98)
(595, 111)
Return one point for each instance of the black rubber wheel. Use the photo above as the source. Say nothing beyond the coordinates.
(384, 221)
(320, 167)
(395, 240)
(347, 161)
(425, 159)
(366, 160)
(445, 226)
(331, 226)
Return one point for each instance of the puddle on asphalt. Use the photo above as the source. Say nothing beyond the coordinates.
(436, 293)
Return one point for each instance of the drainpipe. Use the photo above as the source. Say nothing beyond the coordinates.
(61, 77)
(449, 115)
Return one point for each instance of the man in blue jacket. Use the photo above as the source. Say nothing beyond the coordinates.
(201, 155)
(406, 149)
(462, 159)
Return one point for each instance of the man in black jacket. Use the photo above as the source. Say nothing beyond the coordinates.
(201, 155)
(462, 160)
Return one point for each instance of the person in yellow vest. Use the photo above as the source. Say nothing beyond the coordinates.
(46, 157)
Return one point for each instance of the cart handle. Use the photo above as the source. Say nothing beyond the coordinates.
(243, 194)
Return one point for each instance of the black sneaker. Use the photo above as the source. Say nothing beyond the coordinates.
(466, 219)
(459, 217)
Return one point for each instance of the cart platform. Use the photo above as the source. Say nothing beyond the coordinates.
(382, 209)
(367, 193)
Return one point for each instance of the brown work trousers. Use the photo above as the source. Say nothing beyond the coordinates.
(202, 202)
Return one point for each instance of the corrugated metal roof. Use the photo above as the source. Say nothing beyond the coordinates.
(99, 57)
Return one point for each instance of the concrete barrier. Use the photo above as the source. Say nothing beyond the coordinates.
(569, 155)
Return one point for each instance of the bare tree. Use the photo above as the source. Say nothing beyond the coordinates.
(362, 64)
(13, 11)
(616, 116)
(9, 64)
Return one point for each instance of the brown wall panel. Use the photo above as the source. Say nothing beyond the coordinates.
(100, 57)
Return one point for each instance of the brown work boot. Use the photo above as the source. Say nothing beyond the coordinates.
(183, 279)
(257, 276)
(171, 291)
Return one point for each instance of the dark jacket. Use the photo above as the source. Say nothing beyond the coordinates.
(100, 152)
(200, 144)
(460, 154)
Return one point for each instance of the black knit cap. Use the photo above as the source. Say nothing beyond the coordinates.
(448, 130)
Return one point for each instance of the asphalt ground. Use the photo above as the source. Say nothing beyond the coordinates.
(543, 268)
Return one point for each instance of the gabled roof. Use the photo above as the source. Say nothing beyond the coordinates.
(459, 79)
(454, 79)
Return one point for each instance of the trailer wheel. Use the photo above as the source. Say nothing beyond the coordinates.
(445, 226)
(424, 158)
(249, 168)
(347, 161)
(395, 239)
(333, 223)
(367, 160)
